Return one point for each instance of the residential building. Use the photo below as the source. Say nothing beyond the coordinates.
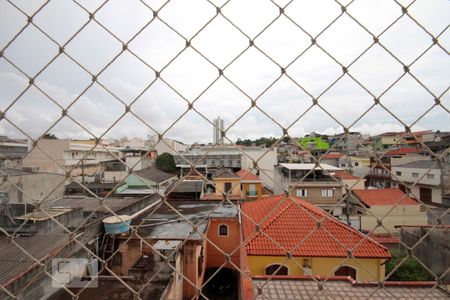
(426, 177)
(218, 133)
(392, 207)
(167, 145)
(59, 156)
(312, 249)
(251, 185)
(336, 159)
(226, 183)
(314, 143)
(147, 181)
(311, 183)
(349, 181)
(387, 140)
(12, 152)
(26, 187)
(348, 142)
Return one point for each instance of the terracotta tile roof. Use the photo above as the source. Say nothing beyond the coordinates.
(385, 239)
(224, 173)
(292, 221)
(345, 175)
(384, 197)
(245, 175)
(404, 150)
(333, 155)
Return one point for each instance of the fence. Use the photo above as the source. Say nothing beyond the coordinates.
(106, 68)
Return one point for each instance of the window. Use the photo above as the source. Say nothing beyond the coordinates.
(327, 193)
(277, 270)
(430, 176)
(346, 271)
(415, 174)
(227, 186)
(302, 193)
(223, 230)
(398, 173)
(356, 164)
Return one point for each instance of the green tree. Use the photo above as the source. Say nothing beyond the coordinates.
(410, 270)
(49, 136)
(165, 162)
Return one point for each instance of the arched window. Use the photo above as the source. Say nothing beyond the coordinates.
(346, 271)
(278, 269)
(223, 230)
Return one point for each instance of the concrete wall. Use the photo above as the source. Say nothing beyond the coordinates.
(265, 164)
(37, 186)
(433, 250)
(406, 175)
(400, 215)
(315, 194)
(369, 269)
(54, 149)
(436, 196)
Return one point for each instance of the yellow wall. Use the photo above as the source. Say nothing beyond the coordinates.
(367, 269)
(400, 215)
(258, 186)
(363, 161)
(220, 185)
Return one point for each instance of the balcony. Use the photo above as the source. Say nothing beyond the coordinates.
(251, 194)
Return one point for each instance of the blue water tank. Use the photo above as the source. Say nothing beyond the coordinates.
(117, 225)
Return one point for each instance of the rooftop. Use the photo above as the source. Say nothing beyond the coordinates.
(384, 197)
(332, 155)
(91, 204)
(290, 221)
(342, 288)
(405, 150)
(325, 167)
(224, 173)
(14, 261)
(421, 164)
(153, 174)
(166, 223)
(188, 186)
(345, 175)
(245, 175)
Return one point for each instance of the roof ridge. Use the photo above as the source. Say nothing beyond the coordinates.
(275, 216)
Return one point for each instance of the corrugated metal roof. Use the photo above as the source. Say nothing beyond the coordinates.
(15, 261)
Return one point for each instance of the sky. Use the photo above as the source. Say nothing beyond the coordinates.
(221, 41)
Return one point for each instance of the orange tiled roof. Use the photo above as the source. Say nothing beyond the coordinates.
(345, 175)
(292, 221)
(333, 155)
(245, 175)
(404, 150)
(384, 197)
(385, 239)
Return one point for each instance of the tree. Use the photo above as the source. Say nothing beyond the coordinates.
(49, 136)
(410, 270)
(166, 163)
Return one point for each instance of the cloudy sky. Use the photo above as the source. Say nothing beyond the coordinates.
(158, 103)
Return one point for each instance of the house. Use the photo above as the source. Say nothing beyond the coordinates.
(426, 175)
(227, 183)
(387, 140)
(81, 158)
(392, 207)
(288, 236)
(12, 152)
(350, 181)
(311, 183)
(24, 186)
(147, 181)
(336, 159)
(251, 185)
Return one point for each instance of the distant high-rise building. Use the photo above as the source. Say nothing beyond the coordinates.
(217, 131)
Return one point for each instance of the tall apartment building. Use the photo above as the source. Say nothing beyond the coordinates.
(217, 131)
